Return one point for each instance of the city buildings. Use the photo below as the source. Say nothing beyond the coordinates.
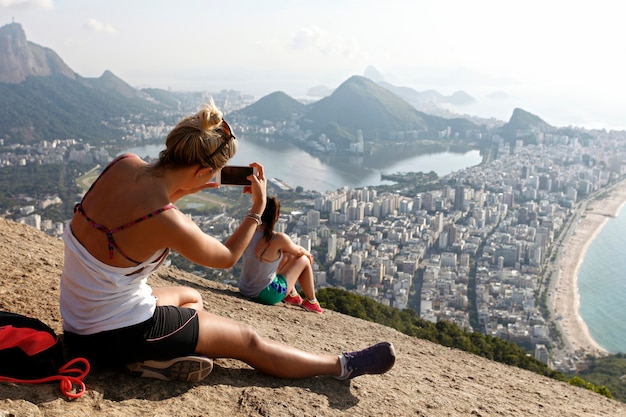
(473, 252)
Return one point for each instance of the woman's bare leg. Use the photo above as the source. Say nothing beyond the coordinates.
(299, 269)
(220, 337)
(287, 257)
(178, 296)
(284, 267)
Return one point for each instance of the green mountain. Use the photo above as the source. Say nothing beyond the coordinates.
(56, 107)
(274, 107)
(358, 104)
(42, 98)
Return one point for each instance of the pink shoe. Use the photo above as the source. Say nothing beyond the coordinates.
(312, 306)
(296, 300)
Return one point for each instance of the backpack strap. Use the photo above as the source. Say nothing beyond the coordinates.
(70, 378)
(32, 353)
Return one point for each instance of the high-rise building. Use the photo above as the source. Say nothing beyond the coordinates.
(313, 218)
(332, 247)
(357, 261)
(542, 354)
(459, 198)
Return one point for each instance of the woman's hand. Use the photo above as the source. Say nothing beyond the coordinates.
(258, 189)
(306, 253)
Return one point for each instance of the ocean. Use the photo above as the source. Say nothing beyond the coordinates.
(602, 285)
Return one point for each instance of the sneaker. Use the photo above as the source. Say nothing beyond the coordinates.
(313, 306)
(184, 368)
(376, 359)
(296, 300)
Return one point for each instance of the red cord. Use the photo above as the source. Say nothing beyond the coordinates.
(67, 377)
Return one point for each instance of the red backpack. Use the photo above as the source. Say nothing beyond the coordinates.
(31, 353)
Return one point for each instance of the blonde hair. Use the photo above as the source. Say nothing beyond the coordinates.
(202, 139)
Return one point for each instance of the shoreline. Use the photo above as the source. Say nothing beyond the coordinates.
(589, 219)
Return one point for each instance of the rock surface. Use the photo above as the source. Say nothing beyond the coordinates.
(22, 59)
(427, 380)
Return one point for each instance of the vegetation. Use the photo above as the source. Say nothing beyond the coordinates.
(412, 177)
(608, 371)
(21, 185)
(68, 110)
(374, 110)
(275, 107)
(59, 107)
(579, 382)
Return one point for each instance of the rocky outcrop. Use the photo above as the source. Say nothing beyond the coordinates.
(427, 380)
(20, 59)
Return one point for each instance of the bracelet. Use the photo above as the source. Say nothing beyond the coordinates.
(255, 217)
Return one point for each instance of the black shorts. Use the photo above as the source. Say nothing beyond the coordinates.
(170, 333)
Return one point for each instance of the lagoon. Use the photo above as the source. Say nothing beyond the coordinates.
(296, 167)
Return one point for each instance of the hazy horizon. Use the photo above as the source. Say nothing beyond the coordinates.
(559, 60)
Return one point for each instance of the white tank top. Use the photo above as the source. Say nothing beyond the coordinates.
(96, 297)
(255, 273)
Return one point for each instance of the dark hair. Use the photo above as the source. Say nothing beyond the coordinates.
(270, 216)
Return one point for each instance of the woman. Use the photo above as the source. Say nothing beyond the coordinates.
(272, 264)
(122, 231)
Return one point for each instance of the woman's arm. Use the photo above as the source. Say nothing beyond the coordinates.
(287, 245)
(184, 236)
(181, 193)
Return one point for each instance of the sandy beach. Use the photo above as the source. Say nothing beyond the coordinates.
(589, 220)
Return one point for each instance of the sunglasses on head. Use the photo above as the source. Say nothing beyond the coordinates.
(227, 135)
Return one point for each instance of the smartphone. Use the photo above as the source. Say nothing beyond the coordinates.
(234, 175)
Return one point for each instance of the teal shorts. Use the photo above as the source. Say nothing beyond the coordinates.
(273, 293)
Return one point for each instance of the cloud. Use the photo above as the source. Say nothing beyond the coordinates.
(94, 25)
(308, 38)
(27, 4)
(313, 38)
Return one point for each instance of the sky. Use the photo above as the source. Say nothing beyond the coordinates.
(560, 60)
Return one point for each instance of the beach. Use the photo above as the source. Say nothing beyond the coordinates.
(588, 220)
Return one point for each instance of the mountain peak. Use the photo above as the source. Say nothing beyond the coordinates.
(13, 30)
(361, 104)
(373, 74)
(112, 82)
(20, 59)
(522, 119)
(524, 124)
(276, 106)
